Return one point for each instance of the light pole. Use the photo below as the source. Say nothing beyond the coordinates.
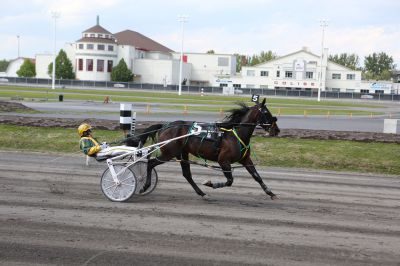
(18, 44)
(182, 19)
(323, 24)
(54, 15)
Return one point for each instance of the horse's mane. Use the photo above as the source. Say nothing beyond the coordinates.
(235, 115)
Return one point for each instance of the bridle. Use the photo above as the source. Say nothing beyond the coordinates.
(263, 117)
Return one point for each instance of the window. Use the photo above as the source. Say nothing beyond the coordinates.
(288, 74)
(223, 85)
(264, 73)
(263, 86)
(250, 86)
(80, 64)
(100, 65)
(237, 86)
(351, 76)
(364, 91)
(250, 73)
(100, 47)
(86, 35)
(89, 64)
(89, 46)
(92, 35)
(110, 48)
(335, 90)
(100, 35)
(309, 75)
(80, 46)
(379, 91)
(350, 90)
(336, 76)
(109, 65)
(107, 36)
(278, 74)
(223, 61)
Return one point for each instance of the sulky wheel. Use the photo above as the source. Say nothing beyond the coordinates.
(122, 191)
(140, 170)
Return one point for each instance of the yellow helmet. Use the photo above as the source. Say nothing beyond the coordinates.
(83, 128)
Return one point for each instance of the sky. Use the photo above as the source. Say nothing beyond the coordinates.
(225, 26)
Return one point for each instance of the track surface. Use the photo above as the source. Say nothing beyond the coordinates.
(53, 212)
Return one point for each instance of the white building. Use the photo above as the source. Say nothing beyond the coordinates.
(97, 51)
(297, 71)
(14, 66)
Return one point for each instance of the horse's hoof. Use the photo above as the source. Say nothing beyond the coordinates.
(274, 197)
(206, 197)
(208, 183)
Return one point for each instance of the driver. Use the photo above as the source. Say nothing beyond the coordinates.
(91, 147)
(88, 144)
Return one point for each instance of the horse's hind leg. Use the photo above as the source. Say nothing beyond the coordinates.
(248, 163)
(227, 170)
(188, 174)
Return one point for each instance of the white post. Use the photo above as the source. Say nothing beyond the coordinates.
(54, 15)
(18, 45)
(126, 119)
(323, 24)
(182, 19)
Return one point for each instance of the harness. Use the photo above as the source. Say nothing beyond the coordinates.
(241, 143)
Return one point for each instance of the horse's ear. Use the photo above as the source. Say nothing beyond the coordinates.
(263, 102)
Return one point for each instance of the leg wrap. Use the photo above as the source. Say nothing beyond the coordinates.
(218, 185)
(267, 189)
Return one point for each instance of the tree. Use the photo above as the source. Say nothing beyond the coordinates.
(210, 52)
(377, 66)
(63, 67)
(262, 58)
(244, 60)
(348, 60)
(121, 72)
(3, 65)
(27, 69)
(241, 60)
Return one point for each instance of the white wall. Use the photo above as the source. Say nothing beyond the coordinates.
(153, 71)
(14, 66)
(42, 65)
(204, 67)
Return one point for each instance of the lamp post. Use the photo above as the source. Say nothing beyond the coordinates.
(54, 15)
(18, 44)
(182, 19)
(323, 24)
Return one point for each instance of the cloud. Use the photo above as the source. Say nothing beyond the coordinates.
(287, 38)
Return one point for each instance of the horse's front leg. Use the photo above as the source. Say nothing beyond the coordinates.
(151, 163)
(248, 164)
(188, 174)
(227, 170)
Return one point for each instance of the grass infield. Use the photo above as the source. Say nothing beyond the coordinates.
(371, 157)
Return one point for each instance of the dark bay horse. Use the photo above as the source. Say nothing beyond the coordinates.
(233, 146)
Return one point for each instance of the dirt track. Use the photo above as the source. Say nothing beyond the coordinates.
(53, 212)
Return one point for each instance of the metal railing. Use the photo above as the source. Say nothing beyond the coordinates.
(60, 83)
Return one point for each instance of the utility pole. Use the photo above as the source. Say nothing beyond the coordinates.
(55, 15)
(18, 45)
(182, 19)
(323, 24)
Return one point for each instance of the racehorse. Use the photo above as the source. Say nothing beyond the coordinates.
(232, 147)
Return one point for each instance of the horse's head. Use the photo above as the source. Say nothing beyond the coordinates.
(266, 120)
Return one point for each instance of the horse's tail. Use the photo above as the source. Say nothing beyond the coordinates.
(151, 131)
